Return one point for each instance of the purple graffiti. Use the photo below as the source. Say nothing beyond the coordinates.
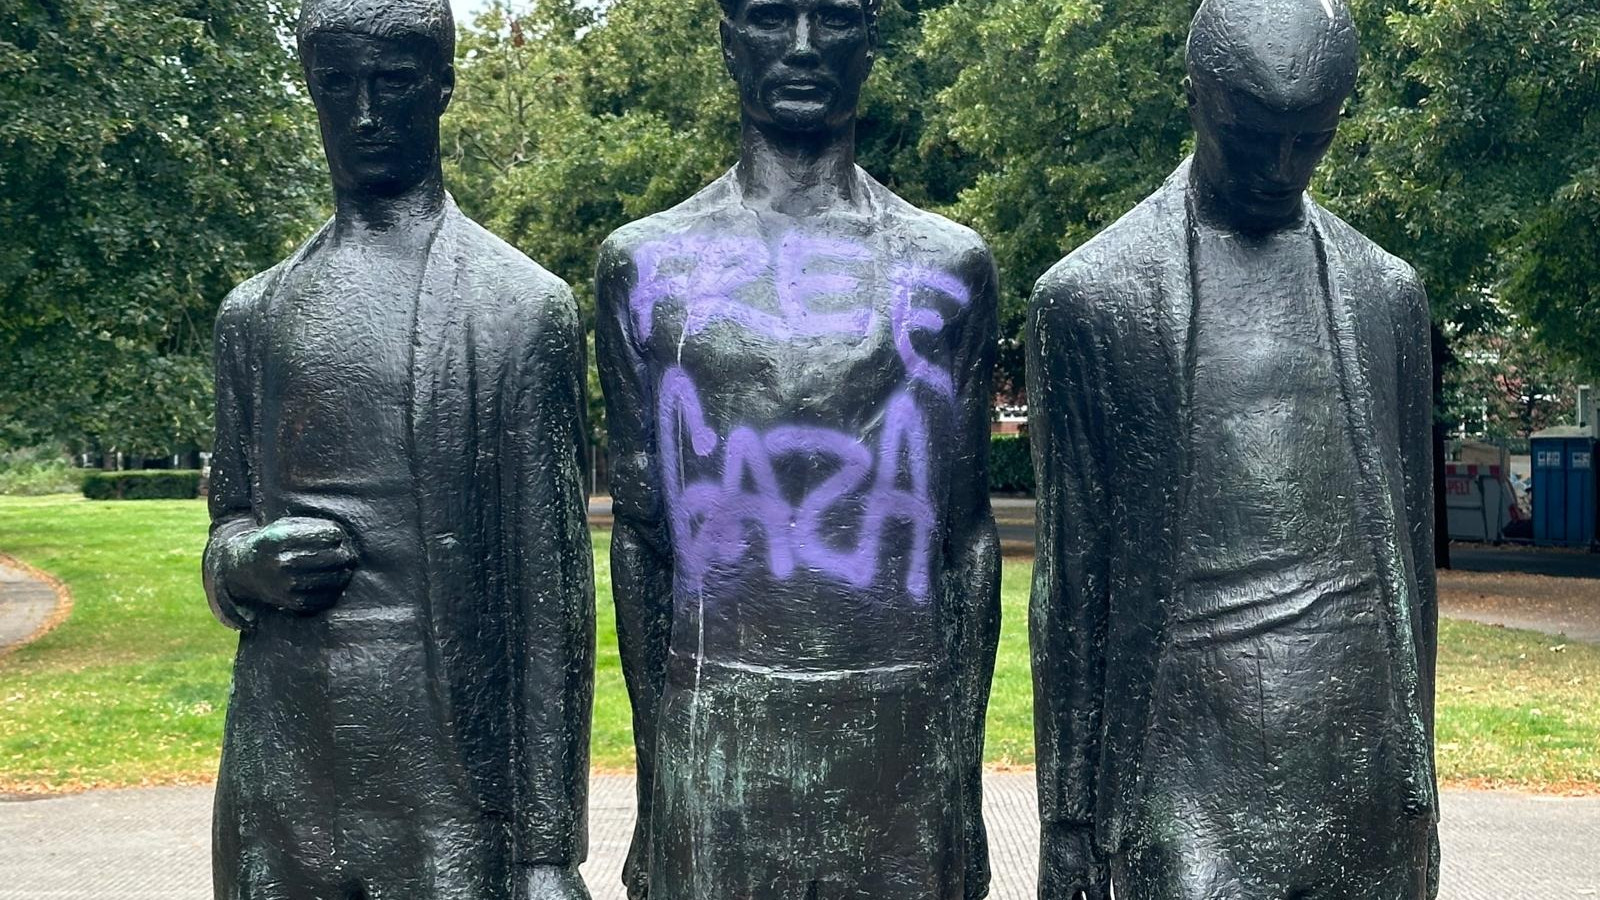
(817, 283)
(712, 518)
(907, 318)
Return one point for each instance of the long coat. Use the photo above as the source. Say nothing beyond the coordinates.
(1110, 374)
(498, 446)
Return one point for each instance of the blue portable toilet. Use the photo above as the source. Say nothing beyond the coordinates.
(1566, 499)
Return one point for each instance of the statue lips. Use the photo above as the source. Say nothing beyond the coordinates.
(1276, 195)
(808, 91)
(374, 147)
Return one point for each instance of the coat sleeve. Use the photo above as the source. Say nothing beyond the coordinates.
(641, 558)
(1070, 600)
(973, 582)
(1417, 458)
(232, 480)
(1416, 422)
(552, 587)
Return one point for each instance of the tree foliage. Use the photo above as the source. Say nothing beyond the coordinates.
(152, 155)
(1506, 384)
(1073, 109)
(1474, 133)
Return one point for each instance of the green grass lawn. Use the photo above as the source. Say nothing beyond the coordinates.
(130, 690)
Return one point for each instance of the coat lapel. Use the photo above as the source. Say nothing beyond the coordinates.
(455, 427)
(1149, 402)
(1380, 500)
(441, 439)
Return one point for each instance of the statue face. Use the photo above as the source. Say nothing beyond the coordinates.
(800, 64)
(378, 101)
(1255, 159)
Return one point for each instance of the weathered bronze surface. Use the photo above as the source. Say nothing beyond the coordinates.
(398, 517)
(797, 370)
(1233, 617)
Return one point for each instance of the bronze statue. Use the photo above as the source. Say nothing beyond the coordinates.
(797, 373)
(398, 519)
(1233, 616)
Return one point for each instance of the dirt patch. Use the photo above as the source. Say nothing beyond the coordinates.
(1567, 607)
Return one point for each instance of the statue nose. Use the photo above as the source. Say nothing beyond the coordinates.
(1283, 168)
(364, 118)
(804, 45)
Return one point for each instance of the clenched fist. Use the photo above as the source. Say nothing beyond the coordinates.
(298, 565)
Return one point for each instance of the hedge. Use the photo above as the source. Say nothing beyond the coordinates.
(152, 484)
(1010, 472)
(1010, 464)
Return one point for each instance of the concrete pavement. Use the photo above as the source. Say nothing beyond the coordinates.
(153, 844)
(27, 605)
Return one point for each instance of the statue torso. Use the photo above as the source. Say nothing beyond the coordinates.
(1272, 524)
(336, 407)
(803, 376)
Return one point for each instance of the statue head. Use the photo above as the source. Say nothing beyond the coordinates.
(1268, 80)
(381, 73)
(800, 64)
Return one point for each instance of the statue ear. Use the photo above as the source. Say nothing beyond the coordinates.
(726, 28)
(447, 87)
(1191, 97)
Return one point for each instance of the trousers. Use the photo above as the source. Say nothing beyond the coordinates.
(1268, 775)
(337, 780)
(772, 787)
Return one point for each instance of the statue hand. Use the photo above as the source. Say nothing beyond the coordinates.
(1070, 866)
(553, 883)
(298, 565)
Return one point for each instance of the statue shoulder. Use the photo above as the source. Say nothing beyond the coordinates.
(1116, 266)
(618, 248)
(956, 240)
(1090, 278)
(515, 279)
(1070, 293)
(1397, 279)
(699, 215)
(962, 248)
(245, 300)
(711, 203)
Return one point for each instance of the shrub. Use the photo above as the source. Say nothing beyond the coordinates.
(153, 484)
(1010, 464)
(36, 471)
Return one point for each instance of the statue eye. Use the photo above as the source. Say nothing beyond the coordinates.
(397, 79)
(335, 82)
(767, 17)
(838, 18)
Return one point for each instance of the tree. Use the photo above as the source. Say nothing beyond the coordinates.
(155, 154)
(1467, 150)
(1074, 112)
(1505, 384)
(1555, 270)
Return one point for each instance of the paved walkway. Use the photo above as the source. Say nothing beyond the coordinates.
(26, 606)
(153, 844)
